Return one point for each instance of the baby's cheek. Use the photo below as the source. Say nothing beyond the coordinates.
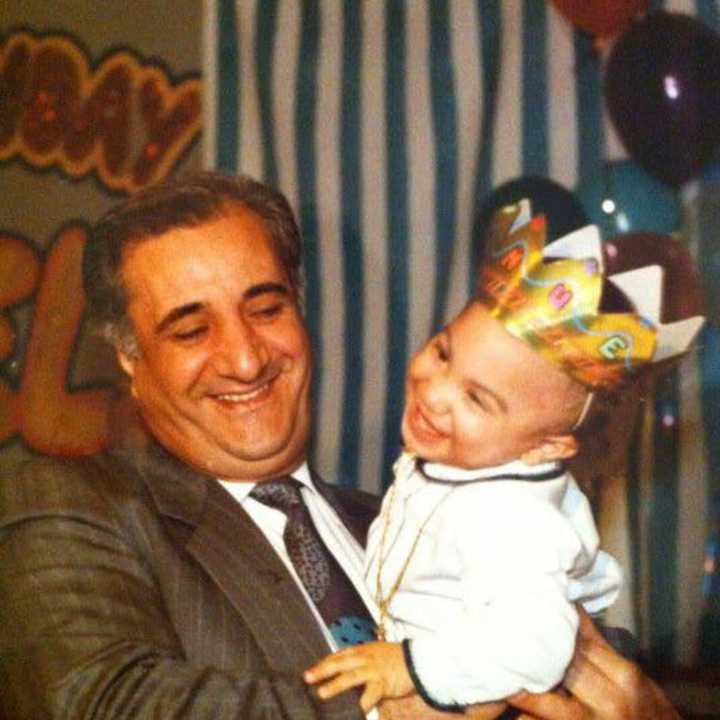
(472, 435)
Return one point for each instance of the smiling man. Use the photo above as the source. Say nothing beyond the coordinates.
(198, 566)
(224, 372)
(154, 580)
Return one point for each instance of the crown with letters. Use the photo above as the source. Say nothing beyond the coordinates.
(550, 295)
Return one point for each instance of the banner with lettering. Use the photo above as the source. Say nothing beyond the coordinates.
(66, 118)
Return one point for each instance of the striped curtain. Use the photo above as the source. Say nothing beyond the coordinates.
(387, 123)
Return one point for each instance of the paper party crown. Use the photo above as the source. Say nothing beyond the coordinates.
(550, 296)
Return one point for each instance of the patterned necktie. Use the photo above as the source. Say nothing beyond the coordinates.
(326, 583)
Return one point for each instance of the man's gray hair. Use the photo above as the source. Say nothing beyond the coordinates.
(185, 202)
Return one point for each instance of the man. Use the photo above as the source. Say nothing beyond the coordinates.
(147, 581)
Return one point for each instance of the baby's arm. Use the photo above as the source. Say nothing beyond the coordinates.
(516, 629)
(379, 666)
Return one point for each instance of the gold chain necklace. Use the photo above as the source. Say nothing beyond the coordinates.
(383, 603)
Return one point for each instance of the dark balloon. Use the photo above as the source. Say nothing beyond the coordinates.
(706, 209)
(622, 198)
(563, 212)
(662, 87)
(601, 17)
(682, 287)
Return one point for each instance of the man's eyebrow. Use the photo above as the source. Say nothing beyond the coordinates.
(190, 308)
(266, 287)
(176, 314)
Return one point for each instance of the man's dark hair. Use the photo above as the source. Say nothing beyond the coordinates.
(189, 201)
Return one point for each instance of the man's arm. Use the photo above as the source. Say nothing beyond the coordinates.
(86, 631)
(602, 686)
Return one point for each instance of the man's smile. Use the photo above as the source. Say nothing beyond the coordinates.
(252, 397)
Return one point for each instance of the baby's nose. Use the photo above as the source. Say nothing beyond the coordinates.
(437, 395)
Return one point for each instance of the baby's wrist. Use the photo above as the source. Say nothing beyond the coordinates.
(417, 682)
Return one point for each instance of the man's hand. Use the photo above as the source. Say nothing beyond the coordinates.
(379, 666)
(602, 686)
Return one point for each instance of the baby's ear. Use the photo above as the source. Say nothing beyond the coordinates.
(553, 447)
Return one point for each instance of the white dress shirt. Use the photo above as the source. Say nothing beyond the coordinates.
(487, 594)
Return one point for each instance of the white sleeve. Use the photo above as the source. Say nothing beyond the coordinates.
(517, 629)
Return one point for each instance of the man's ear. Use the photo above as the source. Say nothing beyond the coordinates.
(552, 448)
(127, 363)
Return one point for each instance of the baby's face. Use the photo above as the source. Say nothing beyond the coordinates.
(477, 396)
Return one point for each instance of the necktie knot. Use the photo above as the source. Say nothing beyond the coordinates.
(282, 493)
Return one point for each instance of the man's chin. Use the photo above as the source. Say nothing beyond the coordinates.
(249, 469)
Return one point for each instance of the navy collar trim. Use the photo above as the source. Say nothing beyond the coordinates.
(557, 471)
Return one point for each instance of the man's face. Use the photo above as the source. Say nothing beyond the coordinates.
(222, 375)
(478, 397)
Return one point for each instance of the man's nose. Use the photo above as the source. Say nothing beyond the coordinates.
(240, 353)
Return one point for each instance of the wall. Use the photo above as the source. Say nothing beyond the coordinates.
(98, 100)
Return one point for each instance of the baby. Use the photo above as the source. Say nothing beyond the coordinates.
(485, 543)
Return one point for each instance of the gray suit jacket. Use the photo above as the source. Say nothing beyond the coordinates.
(133, 587)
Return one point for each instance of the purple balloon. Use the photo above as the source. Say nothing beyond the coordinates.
(662, 87)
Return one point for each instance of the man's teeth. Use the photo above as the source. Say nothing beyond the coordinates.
(243, 397)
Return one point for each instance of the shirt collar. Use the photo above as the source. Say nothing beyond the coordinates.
(241, 490)
(514, 470)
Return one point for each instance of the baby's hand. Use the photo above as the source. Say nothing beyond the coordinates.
(379, 666)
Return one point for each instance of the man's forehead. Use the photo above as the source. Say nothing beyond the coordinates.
(197, 265)
(190, 246)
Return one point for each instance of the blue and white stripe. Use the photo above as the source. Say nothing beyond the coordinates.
(386, 123)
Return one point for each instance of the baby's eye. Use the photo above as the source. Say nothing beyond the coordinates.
(478, 401)
(440, 352)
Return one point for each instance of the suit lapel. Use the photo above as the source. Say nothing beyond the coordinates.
(239, 558)
(243, 564)
(231, 549)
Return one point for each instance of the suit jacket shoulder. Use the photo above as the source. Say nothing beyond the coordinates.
(130, 575)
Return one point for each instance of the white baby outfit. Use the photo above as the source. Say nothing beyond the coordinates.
(486, 599)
